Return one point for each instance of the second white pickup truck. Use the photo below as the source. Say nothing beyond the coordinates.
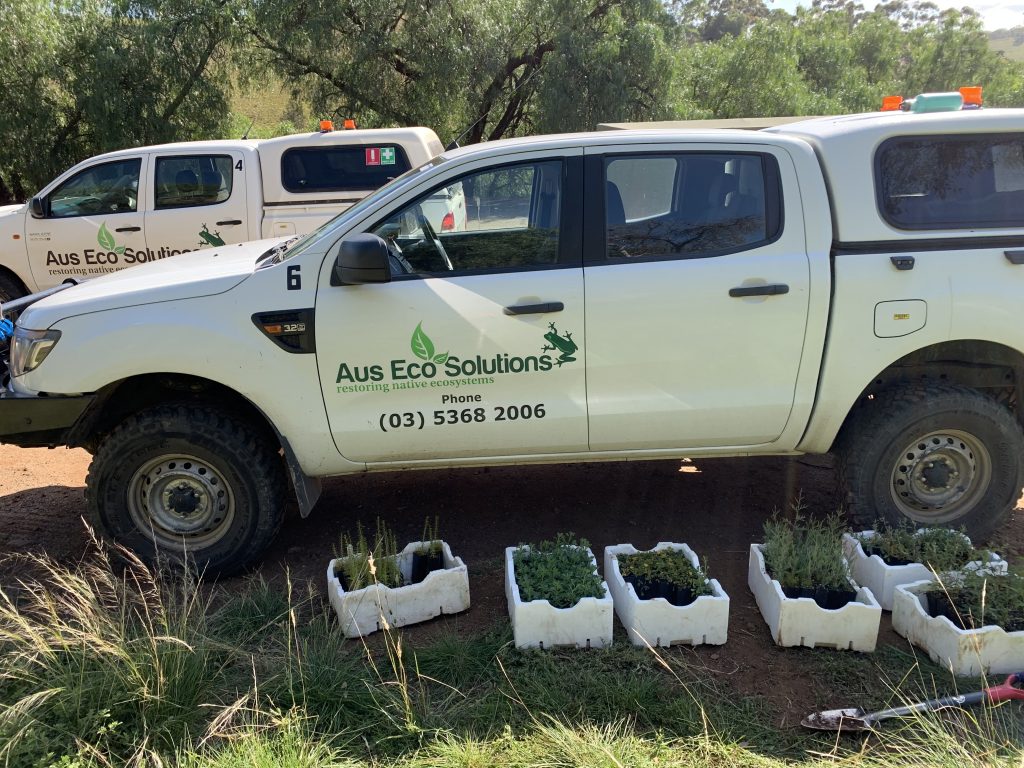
(850, 284)
(140, 205)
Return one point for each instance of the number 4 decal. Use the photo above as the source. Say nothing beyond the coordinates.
(294, 278)
(238, 165)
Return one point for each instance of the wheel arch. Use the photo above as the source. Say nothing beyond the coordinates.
(9, 273)
(120, 399)
(991, 367)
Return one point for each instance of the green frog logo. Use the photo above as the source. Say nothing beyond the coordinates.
(206, 237)
(564, 345)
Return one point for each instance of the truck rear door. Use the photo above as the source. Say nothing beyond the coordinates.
(198, 201)
(697, 289)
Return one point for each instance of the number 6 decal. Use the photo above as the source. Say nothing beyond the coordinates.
(294, 278)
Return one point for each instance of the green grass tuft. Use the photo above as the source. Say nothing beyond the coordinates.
(103, 665)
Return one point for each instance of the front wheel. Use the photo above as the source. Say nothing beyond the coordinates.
(932, 454)
(188, 481)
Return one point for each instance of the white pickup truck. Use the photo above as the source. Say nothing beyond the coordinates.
(850, 284)
(139, 205)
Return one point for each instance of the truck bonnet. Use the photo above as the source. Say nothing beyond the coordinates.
(189, 275)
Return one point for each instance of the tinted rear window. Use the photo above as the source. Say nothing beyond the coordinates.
(690, 204)
(340, 169)
(951, 182)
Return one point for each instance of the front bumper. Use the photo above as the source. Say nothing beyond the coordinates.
(34, 421)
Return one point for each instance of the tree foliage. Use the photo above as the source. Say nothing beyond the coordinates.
(491, 68)
(88, 76)
(85, 76)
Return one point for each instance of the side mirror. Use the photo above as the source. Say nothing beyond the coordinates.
(37, 207)
(363, 258)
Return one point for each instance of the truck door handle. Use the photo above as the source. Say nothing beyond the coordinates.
(775, 289)
(535, 309)
(229, 222)
(1014, 257)
(128, 229)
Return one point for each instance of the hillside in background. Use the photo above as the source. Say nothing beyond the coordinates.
(1009, 41)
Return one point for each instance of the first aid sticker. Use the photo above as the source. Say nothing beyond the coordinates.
(380, 155)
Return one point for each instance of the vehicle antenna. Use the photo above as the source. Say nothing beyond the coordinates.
(251, 124)
(455, 144)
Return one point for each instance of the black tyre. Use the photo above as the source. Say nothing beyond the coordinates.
(188, 480)
(935, 454)
(10, 288)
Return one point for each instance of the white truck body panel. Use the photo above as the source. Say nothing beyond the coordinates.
(592, 297)
(359, 440)
(193, 195)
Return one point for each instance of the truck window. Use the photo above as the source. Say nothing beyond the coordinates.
(494, 220)
(689, 204)
(951, 182)
(341, 169)
(100, 189)
(185, 181)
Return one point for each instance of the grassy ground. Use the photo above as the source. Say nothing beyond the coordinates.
(104, 665)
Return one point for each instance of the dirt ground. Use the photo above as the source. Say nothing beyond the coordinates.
(716, 506)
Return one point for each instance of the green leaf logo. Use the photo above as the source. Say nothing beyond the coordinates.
(441, 359)
(422, 346)
(119, 250)
(104, 238)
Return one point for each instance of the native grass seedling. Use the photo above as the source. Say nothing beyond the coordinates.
(428, 556)
(805, 555)
(362, 564)
(666, 573)
(975, 599)
(559, 571)
(941, 549)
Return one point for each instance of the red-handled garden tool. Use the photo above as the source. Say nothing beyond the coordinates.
(859, 720)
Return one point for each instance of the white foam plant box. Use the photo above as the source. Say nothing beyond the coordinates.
(965, 652)
(539, 624)
(657, 622)
(802, 622)
(873, 572)
(363, 611)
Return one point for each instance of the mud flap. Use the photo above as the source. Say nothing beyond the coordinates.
(307, 489)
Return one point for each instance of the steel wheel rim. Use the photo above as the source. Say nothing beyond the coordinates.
(180, 502)
(941, 475)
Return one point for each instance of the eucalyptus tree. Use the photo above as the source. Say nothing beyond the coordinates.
(486, 68)
(86, 76)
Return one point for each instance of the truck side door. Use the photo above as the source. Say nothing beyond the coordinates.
(198, 201)
(697, 284)
(92, 223)
(474, 347)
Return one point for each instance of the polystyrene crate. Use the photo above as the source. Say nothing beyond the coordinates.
(966, 652)
(538, 624)
(365, 610)
(658, 622)
(882, 579)
(802, 622)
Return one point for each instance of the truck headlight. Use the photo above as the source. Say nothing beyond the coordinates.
(29, 348)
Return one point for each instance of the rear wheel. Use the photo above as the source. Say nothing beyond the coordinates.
(188, 481)
(932, 454)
